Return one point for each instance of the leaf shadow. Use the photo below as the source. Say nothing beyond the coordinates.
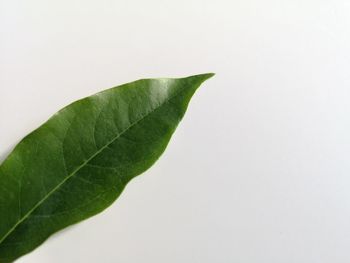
(5, 152)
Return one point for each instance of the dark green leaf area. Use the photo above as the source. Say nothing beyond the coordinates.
(78, 162)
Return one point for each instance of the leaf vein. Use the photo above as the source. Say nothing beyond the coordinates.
(83, 164)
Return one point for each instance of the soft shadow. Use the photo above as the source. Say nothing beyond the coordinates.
(62, 231)
(5, 152)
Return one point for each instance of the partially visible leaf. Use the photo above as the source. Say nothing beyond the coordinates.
(78, 162)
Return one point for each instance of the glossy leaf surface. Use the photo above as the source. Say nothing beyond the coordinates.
(78, 162)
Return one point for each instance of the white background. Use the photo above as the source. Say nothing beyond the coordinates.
(258, 171)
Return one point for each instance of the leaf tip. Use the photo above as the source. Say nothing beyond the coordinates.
(206, 76)
(200, 78)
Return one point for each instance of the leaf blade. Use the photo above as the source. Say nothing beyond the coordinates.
(101, 141)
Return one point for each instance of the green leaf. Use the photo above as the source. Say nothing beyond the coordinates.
(78, 162)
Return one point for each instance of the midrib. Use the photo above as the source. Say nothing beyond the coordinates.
(82, 165)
